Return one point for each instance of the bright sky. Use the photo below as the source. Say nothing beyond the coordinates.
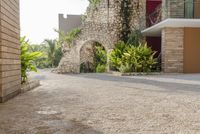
(40, 17)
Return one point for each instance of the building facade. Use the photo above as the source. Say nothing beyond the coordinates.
(173, 30)
(10, 71)
(69, 23)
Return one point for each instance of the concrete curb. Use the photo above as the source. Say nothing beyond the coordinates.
(30, 85)
(134, 73)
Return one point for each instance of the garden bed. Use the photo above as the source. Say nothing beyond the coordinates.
(29, 85)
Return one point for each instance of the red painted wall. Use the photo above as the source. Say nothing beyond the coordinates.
(155, 44)
(150, 8)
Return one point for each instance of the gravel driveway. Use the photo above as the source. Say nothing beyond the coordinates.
(105, 104)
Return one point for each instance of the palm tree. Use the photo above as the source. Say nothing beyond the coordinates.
(51, 52)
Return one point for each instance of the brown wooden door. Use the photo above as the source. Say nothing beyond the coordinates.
(192, 50)
(197, 9)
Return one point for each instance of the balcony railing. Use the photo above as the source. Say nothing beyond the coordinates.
(174, 9)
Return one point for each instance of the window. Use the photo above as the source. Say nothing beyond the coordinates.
(189, 8)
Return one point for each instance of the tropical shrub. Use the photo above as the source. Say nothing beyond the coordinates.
(125, 68)
(101, 68)
(69, 37)
(58, 55)
(140, 58)
(27, 59)
(99, 63)
(100, 56)
(116, 55)
(100, 59)
(129, 58)
(53, 52)
(43, 61)
(72, 34)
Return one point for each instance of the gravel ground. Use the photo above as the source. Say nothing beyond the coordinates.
(105, 104)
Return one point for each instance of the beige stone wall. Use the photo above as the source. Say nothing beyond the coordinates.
(106, 24)
(9, 49)
(172, 50)
(87, 53)
(173, 9)
(138, 17)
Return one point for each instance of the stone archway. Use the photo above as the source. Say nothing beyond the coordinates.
(104, 24)
(71, 61)
(95, 28)
(89, 56)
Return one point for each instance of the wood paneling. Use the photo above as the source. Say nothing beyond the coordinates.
(10, 71)
(192, 50)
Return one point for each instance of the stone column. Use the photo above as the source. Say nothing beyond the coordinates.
(172, 50)
(10, 71)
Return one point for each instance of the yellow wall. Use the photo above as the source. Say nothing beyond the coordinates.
(197, 10)
(192, 50)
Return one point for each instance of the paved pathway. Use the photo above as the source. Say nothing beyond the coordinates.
(105, 104)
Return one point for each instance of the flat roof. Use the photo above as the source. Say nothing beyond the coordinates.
(155, 30)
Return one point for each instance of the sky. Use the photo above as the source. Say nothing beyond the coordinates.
(39, 18)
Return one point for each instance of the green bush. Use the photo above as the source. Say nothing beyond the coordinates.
(116, 55)
(100, 55)
(125, 68)
(27, 59)
(69, 37)
(53, 52)
(73, 34)
(140, 58)
(99, 63)
(100, 59)
(101, 68)
(43, 61)
(129, 58)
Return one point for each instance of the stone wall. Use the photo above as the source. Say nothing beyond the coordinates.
(87, 53)
(107, 23)
(138, 16)
(9, 49)
(172, 50)
(173, 9)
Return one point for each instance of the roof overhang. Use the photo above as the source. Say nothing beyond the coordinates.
(179, 23)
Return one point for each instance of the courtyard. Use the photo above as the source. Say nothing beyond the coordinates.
(105, 104)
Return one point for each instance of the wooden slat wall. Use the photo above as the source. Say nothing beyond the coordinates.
(10, 79)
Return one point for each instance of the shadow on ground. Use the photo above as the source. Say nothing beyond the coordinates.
(70, 127)
(169, 86)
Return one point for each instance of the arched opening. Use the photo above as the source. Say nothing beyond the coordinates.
(93, 58)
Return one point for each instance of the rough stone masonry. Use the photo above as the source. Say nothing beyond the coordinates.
(106, 24)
